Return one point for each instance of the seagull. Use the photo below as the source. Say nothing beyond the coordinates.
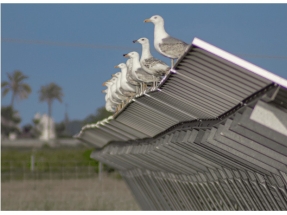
(165, 44)
(114, 95)
(141, 75)
(150, 64)
(131, 78)
(118, 84)
(112, 105)
(126, 88)
(111, 91)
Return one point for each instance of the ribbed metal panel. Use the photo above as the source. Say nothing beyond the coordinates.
(202, 85)
(206, 169)
(236, 164)
(128, 129)
(211, 137)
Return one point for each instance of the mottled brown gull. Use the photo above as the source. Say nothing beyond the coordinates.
(141, 75)
(151, 65)
(125, 87)
(165, 44)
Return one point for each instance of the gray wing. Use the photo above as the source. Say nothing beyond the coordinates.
(143, 75)
(173, 47)
(156, 65)
(129, 65)
(130, 77)
(151, 62)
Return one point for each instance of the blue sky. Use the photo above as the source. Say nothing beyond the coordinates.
(108, 31)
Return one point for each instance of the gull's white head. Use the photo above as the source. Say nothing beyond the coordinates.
(142, 40)
(121, 66)
(132, 55)
(108, 83)
(155, 19)
(116, 75)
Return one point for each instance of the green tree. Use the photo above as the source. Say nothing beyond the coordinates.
(48, 94)
(101, 114)
(16, 85)
(9, 120)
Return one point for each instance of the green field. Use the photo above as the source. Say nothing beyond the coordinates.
(48, 159)
(62, 179)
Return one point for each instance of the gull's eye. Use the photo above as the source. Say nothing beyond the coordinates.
(142, 39)
(155, 17)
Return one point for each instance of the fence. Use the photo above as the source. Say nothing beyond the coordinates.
(212, 136)
(62, 186)
(38, 170)
(37, 143)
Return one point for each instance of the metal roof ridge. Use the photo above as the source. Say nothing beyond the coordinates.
(240, 62)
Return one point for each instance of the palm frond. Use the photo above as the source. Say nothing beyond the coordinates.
(24, 91)
(16, 85)
(50, 92)
(4, 84)
(5, 91)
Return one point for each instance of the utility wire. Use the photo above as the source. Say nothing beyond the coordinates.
(41, 42)
(11, 40)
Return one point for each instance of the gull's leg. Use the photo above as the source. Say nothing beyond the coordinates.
(172, 63)
(141, 88)
(156, 83)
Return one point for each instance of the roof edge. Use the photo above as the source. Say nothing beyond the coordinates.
(240, 62)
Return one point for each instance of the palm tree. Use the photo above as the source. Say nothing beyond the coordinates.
(48, 94)
(16, 86)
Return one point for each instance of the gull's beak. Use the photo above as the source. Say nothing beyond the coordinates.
(117, 66)
(147, 20)
(135, 41)
(103, 91)
(113, 75)
(104, 84)
(126, 55)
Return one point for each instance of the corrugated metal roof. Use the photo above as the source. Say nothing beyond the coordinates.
(205, 83)
(237, 163)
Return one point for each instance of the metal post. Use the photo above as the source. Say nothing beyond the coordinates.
(100, 171)
(10, 173)
(32, 164)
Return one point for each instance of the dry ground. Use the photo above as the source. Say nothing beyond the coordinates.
(71, 194)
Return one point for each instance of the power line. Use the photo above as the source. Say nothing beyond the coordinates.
(93, 46)
(81, 45)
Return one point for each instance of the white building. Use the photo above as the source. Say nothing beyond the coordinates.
(43, 126)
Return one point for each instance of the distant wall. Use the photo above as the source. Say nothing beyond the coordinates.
(36, 143)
